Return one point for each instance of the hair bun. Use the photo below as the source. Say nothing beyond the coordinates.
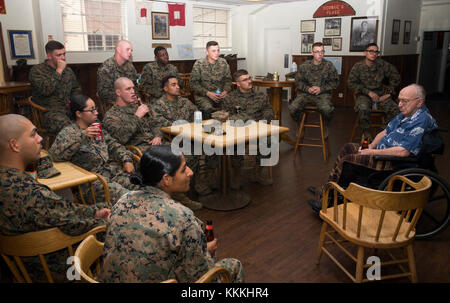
(136, 178)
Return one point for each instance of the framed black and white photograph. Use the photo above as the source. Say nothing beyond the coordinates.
(336, 44)
(21, 43)
(307, 43)
(364, 30)
(160, 26)
(407, 33)
(307, 26)
(395, 31)
(327, 41)
(333, 27)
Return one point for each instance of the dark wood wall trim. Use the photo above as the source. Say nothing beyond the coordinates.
(406, 65)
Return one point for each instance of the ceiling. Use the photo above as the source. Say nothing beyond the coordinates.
(247, 2)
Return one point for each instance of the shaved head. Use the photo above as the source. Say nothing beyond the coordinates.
(12, 126)
(121, 82)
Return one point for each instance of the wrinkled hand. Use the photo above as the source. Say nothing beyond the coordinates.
(373, 96)
(92, 131)
(366, 151)
(213, 96)
(128, 167)
(211, 246)
(103, 213)
(142, 111)
(155, 141)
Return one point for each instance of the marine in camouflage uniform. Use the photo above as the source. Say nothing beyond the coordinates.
(108, 72)
(152, 75)
(100, 157)
(174, 242)
(52, 91)
(27, 205)
(364, 79)
(323, 75)
(207, 77)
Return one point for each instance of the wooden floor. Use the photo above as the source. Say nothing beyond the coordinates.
(276, 236)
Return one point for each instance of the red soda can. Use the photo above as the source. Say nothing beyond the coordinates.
(99, 137)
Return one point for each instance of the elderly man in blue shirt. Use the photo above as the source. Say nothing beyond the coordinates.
(401, 138)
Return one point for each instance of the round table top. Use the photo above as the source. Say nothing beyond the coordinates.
(271, 83)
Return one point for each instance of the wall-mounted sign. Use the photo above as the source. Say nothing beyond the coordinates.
(334, 8)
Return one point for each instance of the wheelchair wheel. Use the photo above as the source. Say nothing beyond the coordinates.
(436, 213)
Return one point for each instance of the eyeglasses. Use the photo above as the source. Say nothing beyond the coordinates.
(371, 51)
(406, 101)
(90, 110)
(246, 79)
(318, 52)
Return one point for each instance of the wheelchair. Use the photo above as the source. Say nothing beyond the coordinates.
(436, 214)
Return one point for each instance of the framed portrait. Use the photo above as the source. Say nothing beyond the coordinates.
(407, 32)
(307, 43)
(364, 30)
(326, 41)
(21, 44)
(307, 26)
(160, 26)
(336, 44)
(395, 31)
(333, 27)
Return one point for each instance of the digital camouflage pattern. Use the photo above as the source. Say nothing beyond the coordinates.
(209, 77)
(108, 72)
(323, 75)
(363, 79)
(152, 238)
(27, 205)
(248, 106)
(124, 126)
(152, 75)
(52, 91)
(100, 157)
(166, 112)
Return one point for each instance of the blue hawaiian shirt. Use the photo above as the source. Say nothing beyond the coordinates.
(407, 132)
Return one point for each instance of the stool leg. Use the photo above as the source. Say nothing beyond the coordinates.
(299, 134)
(322, 137)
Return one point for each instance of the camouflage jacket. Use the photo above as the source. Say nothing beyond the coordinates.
(152, 75)
(151, 238)
(51, 89)
(210, 77)
(363, 79)
(127, 128)
(253, 106)
(108, 72)
(167, 112)
(72, 144)
(27, 205)
(323, 75)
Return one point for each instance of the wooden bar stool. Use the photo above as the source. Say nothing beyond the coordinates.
(377, 123)
(325, 145)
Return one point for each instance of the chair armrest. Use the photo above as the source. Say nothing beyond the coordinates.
(32, 104)
(395, 158)
(105, 186)
(213, 273)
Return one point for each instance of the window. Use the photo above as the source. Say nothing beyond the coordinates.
(93, 25)
(211, 24)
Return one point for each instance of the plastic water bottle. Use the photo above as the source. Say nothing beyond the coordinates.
(197, 117)
(374, 105)
(293, 67)
(218, 92)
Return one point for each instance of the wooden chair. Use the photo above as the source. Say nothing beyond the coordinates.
(324, 143)
(78, 192)
(90, 251)
(37, 112)
(186, 90)
(374, 219)
(102, 105)
(38, 243)
(137, 153)
(377, 123)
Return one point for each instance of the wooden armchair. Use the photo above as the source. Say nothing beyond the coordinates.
(37, 112)
(375, 219)
(137, 153)
(38, 243)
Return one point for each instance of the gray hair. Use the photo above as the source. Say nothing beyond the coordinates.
(420, 91)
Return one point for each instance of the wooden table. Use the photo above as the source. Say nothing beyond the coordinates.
(71, 176)
(275, 89)
(226, 199)
(7, 89)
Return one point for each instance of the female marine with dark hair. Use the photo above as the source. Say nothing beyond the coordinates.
(151, 237)
(76, 143)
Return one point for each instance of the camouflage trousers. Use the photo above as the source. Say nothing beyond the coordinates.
(54, 121)
(323, 103)
(235, 268)
(206, 106)
(363, 107)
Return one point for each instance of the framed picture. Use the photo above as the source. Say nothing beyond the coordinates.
(333, 27)
(326, 41)
(364, 30)
(160, 26)
(395, 31)
(336, 44)
(307, 43)
(407, 33)
(307, 26)
(21, 44)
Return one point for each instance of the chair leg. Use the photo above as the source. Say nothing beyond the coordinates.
(321, 241)
(412, 263)
(299, 134)
(359, 265)
(322, 137)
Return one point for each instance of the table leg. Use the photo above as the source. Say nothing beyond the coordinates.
(275, 101)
